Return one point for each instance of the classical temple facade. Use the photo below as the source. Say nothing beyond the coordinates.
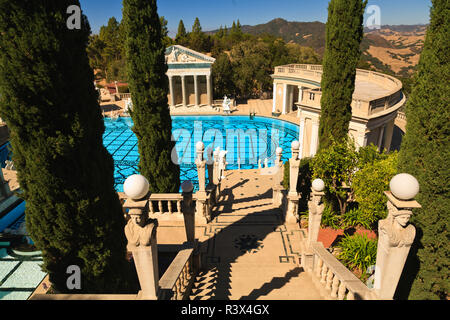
(189, 73)
(376, 101)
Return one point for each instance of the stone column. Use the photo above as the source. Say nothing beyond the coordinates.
(301, 136)
(202, 207)
(277, 196)
(274, 107)
(210, 188)
(300, 94)
(292, 205)
(388, 135)
(172, 96)
(197, 101)
(216, 172)
(315, 207)
(284, 98)
(380, 137)
(314, 138)
(141, 236)
(188, 211)
(395, 238)
(209, 90)
(291, 98)
(183, 90)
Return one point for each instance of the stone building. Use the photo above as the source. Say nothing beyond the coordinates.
(376, 101)
(190, 82)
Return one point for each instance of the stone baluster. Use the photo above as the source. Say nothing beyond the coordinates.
(396, 235)
(141, 236)
(341, 291)
(324, 274)
(316, 207)
(188, 211)
(335, 287)
(329, 280)
(292, 204)
(319, 268)
(350, 295)
(202, 209)
(277, 197)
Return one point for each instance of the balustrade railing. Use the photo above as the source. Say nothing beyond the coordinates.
(390, 99)
(165, 204)
(177, 281)
(340, 282)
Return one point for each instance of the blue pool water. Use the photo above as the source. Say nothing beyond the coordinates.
(247, 141)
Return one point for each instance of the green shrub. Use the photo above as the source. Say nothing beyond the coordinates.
(369, 185)
(355, 217)
(330, 218)
(358, 252)
(335, 165)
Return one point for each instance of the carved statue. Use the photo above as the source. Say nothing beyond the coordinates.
(396, 227)
(138, 231)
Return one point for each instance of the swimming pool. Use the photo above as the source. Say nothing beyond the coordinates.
(248, 142)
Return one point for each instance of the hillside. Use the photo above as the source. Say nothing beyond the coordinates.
(392, 49)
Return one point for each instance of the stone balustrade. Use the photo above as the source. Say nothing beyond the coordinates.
(396, 236)
(177, 281)
(338, 282)
(161, 204)
(369, 107)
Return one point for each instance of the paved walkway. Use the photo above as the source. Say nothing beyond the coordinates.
(247, 251)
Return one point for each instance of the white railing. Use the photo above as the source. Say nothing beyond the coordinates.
(340, 283)
(314, 72)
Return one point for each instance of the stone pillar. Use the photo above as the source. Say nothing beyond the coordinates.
(188, 211)
(292, 205)
(285, 86)
(216, 172)
(291, 98)
(300, 94)
(277, 196)
(183, 90)
(274, 107)
(197, 100)
(380, 137)
(141, 236)
(315, 207)
(388, 135)
(301, 136)
(172, 94)
(202, 207)
(314, 138)
(210, 188)
(395, 237)
(209, 90)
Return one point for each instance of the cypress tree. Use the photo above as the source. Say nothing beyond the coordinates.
(196, 27)
(181, 34)
(344, 32)
(149, 89)
(425, 153)
(49, 102)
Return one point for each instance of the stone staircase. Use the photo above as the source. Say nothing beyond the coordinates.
(250, 254)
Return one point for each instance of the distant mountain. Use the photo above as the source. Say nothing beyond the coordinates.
(392, 49)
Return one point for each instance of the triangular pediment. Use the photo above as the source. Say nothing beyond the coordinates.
(182, 55)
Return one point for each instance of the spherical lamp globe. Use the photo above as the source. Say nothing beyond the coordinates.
(279, 150)
(136, 187)
(200, 146)
(295, 145)
(404, 186)
(318, 185)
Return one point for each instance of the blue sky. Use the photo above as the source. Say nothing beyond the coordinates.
(213, 13)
